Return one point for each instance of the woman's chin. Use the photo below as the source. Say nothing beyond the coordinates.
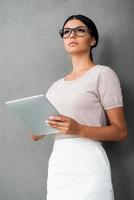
(75, 52)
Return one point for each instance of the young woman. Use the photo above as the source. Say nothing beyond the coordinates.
(90, 101)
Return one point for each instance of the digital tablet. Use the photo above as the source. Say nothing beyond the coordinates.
(33, 111)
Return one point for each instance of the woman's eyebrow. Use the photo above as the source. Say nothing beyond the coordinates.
(76, 27)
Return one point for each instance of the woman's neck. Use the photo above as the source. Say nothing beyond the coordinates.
(81, 62)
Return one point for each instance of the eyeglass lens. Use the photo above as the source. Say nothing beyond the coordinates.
(79, 31)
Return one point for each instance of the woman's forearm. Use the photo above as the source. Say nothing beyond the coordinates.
(105, 133)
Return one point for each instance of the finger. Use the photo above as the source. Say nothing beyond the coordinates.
(58, 117)
(57, 123)
(61, 128)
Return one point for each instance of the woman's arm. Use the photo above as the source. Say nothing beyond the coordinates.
(117, 130)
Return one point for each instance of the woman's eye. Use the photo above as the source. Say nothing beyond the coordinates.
(66, 31)
(81, 30)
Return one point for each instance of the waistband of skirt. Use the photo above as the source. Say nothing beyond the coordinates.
(75, 139)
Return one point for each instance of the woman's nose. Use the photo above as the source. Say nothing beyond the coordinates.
(72, 34)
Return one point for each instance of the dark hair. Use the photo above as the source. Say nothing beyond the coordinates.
(91, 26)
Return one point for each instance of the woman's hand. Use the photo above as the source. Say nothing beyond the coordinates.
(64, 124)
(37, 137)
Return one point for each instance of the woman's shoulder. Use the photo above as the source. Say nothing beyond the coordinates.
(105, 69)
(107, 72)
(55, 83)
(52, 86)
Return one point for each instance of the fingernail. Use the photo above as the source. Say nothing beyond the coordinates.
(46, 121)
(51, 117)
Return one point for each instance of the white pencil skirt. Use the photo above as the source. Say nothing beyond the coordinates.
(79, 169)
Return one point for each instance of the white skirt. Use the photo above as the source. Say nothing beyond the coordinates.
(79, 169)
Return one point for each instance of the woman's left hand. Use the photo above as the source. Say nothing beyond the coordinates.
(64, 124)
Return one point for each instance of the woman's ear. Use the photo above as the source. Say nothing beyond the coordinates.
(93, 42)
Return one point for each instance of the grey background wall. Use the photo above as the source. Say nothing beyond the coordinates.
(32, 56)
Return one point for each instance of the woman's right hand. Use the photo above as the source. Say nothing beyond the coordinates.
(37, 137)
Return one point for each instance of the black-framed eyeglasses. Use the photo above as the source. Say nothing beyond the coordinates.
(79, 31)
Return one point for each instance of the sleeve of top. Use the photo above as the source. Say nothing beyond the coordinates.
(109, 89)
(49, 89)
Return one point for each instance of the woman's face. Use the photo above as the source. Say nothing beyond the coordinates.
(80, 44)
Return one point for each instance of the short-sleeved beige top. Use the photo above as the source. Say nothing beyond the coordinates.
(86, 98)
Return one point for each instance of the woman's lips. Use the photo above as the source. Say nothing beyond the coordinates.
(72, 43)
